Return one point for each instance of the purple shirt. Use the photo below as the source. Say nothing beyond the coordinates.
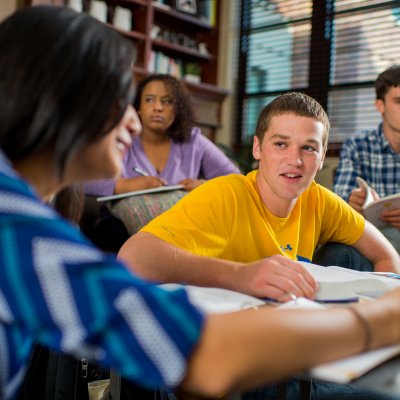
(196, 158)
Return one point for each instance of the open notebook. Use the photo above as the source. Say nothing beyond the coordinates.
(335, 282)
(139, 192)
(373, 209)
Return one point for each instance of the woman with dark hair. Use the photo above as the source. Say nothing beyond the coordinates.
(170, 149)
(65, 90)
(65, 117)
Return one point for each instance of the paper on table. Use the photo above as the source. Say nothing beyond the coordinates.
(335, 283)
(217, 300)
(139, 192)
(346, 369)
(350, 368)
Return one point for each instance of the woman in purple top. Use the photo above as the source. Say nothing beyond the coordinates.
(170, 149)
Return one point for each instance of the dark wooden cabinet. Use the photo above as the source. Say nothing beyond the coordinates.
(166, 37)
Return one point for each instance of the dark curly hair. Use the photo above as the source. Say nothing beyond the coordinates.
(183, 123)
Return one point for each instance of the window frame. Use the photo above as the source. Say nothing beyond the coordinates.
(320, 60)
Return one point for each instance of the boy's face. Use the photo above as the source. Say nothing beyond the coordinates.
(289, 156)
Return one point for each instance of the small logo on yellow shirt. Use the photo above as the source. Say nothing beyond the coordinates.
(287, 248)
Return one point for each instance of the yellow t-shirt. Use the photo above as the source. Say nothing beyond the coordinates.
(226, 218)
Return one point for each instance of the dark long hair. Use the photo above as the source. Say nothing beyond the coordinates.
(65, 81)
(180, 129)
(69, 202)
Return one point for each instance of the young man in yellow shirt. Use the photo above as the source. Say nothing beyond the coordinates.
(247, 233)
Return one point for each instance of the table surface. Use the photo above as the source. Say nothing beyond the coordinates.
(385, 378)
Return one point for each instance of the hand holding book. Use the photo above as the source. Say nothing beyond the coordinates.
(373, 209)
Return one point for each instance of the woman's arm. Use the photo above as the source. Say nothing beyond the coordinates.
(214, 162)
(249, 348)
(124, 185)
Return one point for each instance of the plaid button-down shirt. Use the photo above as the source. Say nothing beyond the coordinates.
(369, 155)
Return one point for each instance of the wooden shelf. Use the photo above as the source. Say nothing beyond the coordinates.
(206, 88)
(129, 3)
(146, 14)
(129, 34)
(162, 14)
(140, 71)
(159, 44)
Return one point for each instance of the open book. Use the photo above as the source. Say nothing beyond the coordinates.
(217, 300)
(334, 282)
(139, 192)
(373, 208)
(337, 284)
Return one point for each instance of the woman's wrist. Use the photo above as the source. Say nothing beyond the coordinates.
(363, 321)
(382, 317)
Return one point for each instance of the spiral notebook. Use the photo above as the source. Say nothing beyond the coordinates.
(160, 189)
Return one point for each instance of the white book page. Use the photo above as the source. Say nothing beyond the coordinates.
(373, 208)
(362, 184)
(350, 368)
(336, 282)
(217, 300)
(373, 211)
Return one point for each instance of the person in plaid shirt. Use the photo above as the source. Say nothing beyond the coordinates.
(374, 155)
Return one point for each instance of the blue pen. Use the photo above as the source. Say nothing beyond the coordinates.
(338, 301)
(270, 300)
(322, 301)
(140, 171)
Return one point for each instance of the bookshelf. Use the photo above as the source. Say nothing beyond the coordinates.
(170, 36)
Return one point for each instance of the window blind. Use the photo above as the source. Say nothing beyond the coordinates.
(330, 49)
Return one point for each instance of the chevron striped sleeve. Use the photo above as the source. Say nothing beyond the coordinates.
(57, 290)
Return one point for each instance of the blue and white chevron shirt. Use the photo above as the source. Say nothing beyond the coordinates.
(57, 290)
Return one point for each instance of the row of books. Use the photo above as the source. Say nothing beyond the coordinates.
(163, 64)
